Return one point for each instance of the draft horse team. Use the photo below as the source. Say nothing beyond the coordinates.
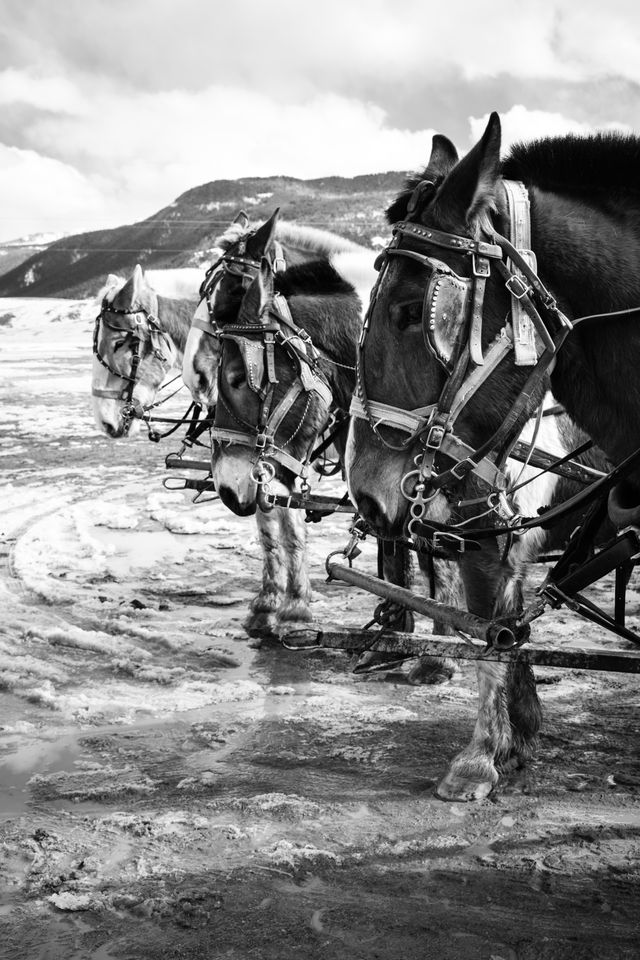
(504, 279)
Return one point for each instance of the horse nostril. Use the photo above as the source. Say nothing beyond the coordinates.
(231, 500)
(371, 509)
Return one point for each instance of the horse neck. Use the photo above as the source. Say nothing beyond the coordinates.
(591, 262)
(333, 323)
(175, 317)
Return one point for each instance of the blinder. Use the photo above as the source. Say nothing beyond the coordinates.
(445, 312)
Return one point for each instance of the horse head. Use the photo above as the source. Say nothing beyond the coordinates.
(131, 354)
(240, 251)
(440, 304)
(274, 397)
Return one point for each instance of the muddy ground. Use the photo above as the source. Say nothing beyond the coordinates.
(167, 791)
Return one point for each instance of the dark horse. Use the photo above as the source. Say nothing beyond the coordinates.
(298, 292)
(418, 357)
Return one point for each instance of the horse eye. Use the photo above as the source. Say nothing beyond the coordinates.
(407, 314)
(118, 344)
(236, 378)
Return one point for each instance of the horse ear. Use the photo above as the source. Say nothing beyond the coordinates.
(138, 279)
(242, 219)
(468, 191)
(259, 243)
(265, 283)
(443, 159)
(259, 295)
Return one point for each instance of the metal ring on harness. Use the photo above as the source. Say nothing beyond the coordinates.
(262, 472)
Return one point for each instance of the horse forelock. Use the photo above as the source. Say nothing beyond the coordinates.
(398, 209)
(109, 289)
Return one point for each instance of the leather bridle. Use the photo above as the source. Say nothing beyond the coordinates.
(256, 338)
(432, 428)
(139, 327)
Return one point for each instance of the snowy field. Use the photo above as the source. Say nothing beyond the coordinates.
(166, 790)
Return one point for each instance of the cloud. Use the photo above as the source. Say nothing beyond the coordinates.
(137, 103)
(56, 94)
(138, 153)
(40, 194)
(288, 51)
(520, 124)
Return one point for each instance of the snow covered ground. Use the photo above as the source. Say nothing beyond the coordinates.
(166, 790)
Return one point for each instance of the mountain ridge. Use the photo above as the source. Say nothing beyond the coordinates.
(183, 232)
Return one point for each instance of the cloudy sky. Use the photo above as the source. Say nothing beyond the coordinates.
(109, 109)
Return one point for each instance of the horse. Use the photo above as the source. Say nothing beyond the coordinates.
(138, 341)
(440, 337)
(327, 279)
(319, 323)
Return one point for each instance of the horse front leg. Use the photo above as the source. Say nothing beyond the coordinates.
(261, 620)
(443, 583)
(509, 716)
(293, 539)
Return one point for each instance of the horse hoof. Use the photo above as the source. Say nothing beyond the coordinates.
(295, 612)
(431, 671)
(458, 788)
(261, 628)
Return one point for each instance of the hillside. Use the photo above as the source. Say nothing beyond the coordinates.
(15, 252)
(182, 233)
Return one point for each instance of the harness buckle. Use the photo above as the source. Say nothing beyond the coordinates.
(435, 437)
(262, 439)
(458, 465)
(481, 266)
(441, 540)
(517, 287)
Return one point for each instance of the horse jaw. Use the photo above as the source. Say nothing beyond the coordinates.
(375, 484)
(232, 478)
(107, 411)
(374, 481)
(200, 377)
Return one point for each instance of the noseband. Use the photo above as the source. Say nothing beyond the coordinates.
(450, 297)
(139, 327)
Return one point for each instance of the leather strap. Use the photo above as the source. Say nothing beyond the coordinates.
(524, 341)
(449, 241)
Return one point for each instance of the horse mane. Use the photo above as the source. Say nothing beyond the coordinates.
(584, 164)
(308, 239)
(175, 315)
(580, 164)
(314, 276)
